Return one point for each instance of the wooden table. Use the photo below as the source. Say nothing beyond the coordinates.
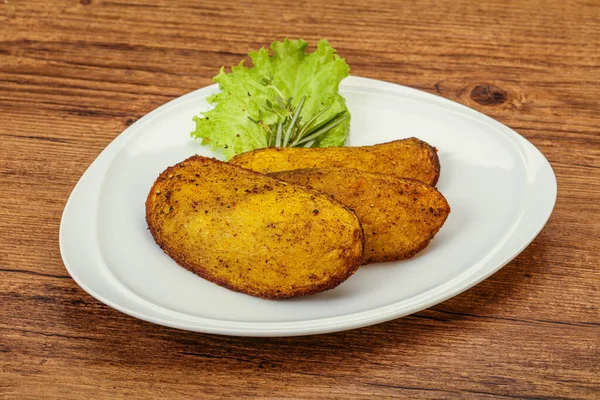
(75, 74)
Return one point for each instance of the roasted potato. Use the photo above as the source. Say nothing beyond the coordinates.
(399, 216)
(407, 158)
(252, 233)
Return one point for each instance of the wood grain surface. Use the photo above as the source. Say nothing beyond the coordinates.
(75, 74)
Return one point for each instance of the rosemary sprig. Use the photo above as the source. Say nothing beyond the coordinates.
(279, 132)
(289, 131)
(322, 128)
(312, 121)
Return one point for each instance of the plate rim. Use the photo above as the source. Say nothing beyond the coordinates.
(461, 282)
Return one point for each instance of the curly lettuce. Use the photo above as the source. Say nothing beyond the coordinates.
(289, 98)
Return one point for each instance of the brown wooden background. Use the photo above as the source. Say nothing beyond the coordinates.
(74, 74)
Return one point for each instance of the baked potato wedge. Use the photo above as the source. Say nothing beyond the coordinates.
(407, 158)
(252, 233)
(399, 216)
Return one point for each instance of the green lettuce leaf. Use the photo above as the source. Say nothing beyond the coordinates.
(253, 101)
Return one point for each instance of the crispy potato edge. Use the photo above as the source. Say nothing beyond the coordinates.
(446, 210)
(433, 155)
(352, 266)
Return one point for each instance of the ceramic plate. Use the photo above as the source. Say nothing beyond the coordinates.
(500, 187)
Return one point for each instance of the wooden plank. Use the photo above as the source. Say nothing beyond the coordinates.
(75, 74)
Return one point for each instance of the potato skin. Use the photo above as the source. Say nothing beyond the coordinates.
(252, 233)
(407, 158)
(399, 216)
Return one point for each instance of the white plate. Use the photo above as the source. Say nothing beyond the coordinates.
(500, 187)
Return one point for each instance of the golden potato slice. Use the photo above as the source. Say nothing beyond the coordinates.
(252, 233)
(399, 216)
(407, 158)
